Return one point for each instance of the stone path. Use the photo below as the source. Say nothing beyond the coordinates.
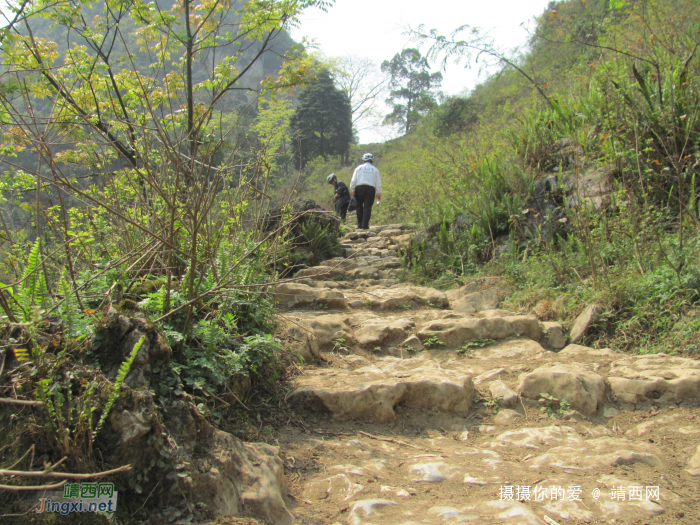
(431, 407)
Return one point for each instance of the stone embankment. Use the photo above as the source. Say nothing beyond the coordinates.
(429, 407)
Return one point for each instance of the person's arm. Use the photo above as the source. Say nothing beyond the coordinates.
(378, 185)
(353, 182)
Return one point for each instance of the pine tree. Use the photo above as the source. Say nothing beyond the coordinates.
(322, 122)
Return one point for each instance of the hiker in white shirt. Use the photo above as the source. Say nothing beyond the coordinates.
(365, 186)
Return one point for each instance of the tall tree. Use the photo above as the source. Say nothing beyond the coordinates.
(412, 88)
(322, 122)
(364, 85)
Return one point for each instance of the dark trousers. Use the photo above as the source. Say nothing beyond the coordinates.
(365, 199)
(342, 210)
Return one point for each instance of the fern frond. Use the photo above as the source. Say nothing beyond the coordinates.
(121, 376)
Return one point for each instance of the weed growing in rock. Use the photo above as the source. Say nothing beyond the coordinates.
(433, 342)
(473, 344)
(552, 406)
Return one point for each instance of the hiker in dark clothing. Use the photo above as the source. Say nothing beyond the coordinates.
(341, 196)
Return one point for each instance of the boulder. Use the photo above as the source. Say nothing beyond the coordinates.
(295, 295)
(455, 332)
(405, 297)
(470, 303)
(574, 350)
(377, 331)
(371, 392)
(300, 342)
(584, 321)
(505, 416)
(554, 336)
(241, 479)
(659, 378)
(373, 401)
(594, 454)
(328, 329)
(372, 334)
(503, 395)
(413, 343)
(693, 467)
(583, 390)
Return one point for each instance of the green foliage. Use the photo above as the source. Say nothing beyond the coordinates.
(118, 381)
(479, 342)
(412, 88)
(433, 342)
(322, 240)
(322, 121)
(455, 115)
(340, 346)
(224, 356)
(553, 407)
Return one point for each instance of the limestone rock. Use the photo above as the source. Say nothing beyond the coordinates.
(554, 335)
(496, 511)
(573, 350)
(584, 321)
(476, 301)
(660, 378)
(320, 272)
(502, 394)
(337, 488)
(330, 328)
(694, 463)
(368, 507)
(584, 391)
(241, 479)
(372, 334)
(488, 376)
(373, 401)
(433, 472)
(134, 423)
(294, 295)
(413, 343)
(505, 416)
(376, 331)
(454, 332)
(300, 342)
(537, 438)
(372, 392)
(598, 453)
(406, 297)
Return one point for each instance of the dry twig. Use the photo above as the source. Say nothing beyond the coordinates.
(390, 440)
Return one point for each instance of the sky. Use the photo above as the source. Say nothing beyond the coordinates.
(374, 29)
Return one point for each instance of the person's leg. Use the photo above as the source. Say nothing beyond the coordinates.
(359, 197)
(344, 211)
(368, 202)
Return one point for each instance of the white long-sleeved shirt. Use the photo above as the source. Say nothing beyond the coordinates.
(366, 174)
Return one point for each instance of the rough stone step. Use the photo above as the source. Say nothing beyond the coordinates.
(491, 324)
(442, 455)
(370, 393)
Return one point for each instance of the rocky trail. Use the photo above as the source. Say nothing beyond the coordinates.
(430, 407)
